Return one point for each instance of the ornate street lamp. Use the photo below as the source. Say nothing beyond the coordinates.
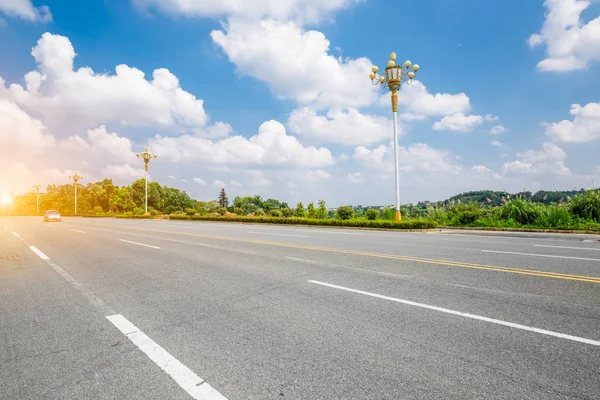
(76, 178)
(146, 156)
(394, 76)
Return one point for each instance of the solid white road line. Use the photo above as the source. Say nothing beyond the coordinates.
(540, 255)
(140, 244)
(76, 230)
(16, 234)
(39, 253)
(278, 234)
(185, 377)
(567, 247)
(5, 227)
(463, 314)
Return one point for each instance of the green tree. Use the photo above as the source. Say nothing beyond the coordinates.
(223, 200)
(372, 214)
(287, 212)
(299, 211)
(322, 210)
(312, 211)
(345, 212)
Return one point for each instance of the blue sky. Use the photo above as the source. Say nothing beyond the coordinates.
(296, 81)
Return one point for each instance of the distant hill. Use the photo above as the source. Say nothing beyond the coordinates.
(494, 198)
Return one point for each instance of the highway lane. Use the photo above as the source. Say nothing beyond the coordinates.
(245, 316)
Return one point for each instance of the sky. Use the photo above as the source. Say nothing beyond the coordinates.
(274, 98)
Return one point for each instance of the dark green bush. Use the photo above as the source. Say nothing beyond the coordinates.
(345, 212)
(238, 210)
(587, 205)
(287, 212)
(222, 210)
(259, 213)
(372, 214)
(523, 212)
(190, 211)
(276, 213)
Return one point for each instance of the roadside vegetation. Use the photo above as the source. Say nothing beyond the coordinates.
(569, 210)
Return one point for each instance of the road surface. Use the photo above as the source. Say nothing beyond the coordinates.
(137, 309)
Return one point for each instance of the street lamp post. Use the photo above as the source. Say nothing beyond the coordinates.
(394, 76)
(11, 203)
(76, 179)
(146, 156)
(37, 198)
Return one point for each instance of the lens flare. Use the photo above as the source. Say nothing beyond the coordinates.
(6, 199)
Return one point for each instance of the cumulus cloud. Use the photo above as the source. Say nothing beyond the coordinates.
(20, 133)
(219, 184)
(123, 173)
(460, 122)
(199, 181)
(496, 143)
(350, 127)
(497, 129)
(270, 146)
(296, 63)
(25, 10)
(300, 10)
(585, 126)
(550, 160)
(418, 157)
(416, 103)
(480, 168)
(571, 43)
(80, 99)
(355, 177)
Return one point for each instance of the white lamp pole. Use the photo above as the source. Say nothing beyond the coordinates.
(76, 179)
(393, 78)
(37, 198)
(146, 156)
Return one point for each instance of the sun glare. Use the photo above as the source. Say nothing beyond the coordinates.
(5, 199)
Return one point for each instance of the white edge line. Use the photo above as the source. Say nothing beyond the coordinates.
(139, 244)
(16, 234)
(185, 377)
(5, 227)
(77, 230)
(540, 255)
(463, 314)
(565, 247)
(39, 253)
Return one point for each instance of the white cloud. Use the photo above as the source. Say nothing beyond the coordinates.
(498, 129)
(123, 173)
(219, 184)
(271, 146)
(24, 9)
(547, 161)
(257, 178)
(480, 168)
(416, 103)
(20, 133)
(570, 42)
(296, 63)
(199, 181)
(235, 183)
(304, 10)
(518, 167)
(82, 99)
(460, 122)
(496, 143)
(585, 126)
(349, 127)
(418, 157)
(173, 177)
(355, 177)
(111, 143)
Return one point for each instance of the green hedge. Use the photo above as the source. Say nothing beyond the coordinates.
(136, 216)
(322, 222)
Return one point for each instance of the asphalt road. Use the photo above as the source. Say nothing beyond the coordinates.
(128, 309)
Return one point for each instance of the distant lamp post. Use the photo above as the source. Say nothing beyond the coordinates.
(12, 195)
(37, 198)
(146, 156)
(394, 76)
(76, 178)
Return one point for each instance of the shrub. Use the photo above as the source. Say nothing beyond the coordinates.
(311, 210)
(345, 212)
(276, 213)
(221, 210)
(138, 211)
(259, 213)
(287, 212)
(98, 211)
(372, 214)
(523, 212)
(388, 214)
(238, 210)
(587, 205)
(154, 213)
